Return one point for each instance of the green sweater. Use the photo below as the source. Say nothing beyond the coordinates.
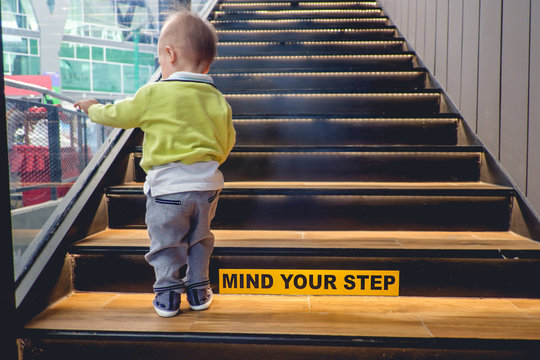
(181, 120)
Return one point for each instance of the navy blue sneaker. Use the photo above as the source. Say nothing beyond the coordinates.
(199, 299)
(167, 303)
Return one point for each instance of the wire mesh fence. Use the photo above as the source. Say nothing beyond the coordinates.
(49, 146)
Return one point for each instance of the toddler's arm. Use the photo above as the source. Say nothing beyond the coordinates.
(125, 114)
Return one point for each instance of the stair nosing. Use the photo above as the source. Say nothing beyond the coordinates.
(332, 56)
(355, 148)
(311, 189)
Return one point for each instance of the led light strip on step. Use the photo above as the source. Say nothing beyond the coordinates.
(318, 11)
(330, 74)
(304, 57)
(271, 31)
(348, 120)
(261, 21)
(359, 42)
(345, 153)
(326, 95)
(342, 3)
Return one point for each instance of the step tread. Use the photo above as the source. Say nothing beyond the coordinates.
(403, 240)
(352, 317)
(352, 188)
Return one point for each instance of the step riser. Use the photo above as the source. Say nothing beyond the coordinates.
(275, 105)
(269, 212)
(226, 347)
(320, 83)
(359, 167)
(285, 64)
(295, 14)
(347, 132)
(303, 25)
(308, 36)
(332, 48)
(301, 6)
(346, 167)
(321, 132)
(418, 276)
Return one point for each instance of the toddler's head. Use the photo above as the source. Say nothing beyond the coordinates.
(186, 43)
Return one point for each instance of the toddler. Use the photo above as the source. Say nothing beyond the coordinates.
(188, 134)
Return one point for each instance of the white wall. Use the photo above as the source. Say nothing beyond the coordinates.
(486, 55)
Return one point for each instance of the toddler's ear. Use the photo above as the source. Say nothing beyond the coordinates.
(171, 54)
(206, 69)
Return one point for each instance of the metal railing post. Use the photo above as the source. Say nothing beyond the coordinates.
(55, 161)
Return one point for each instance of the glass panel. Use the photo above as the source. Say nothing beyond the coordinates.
(67, 50)
(26, 8)
(147, 59)
(9, 5)
(34, 48)
(97, 53)
(107, 77)
(75, 74)
(129, 77)
(25, 65)
(38, 177)
(7, 63)
(120, 56)
(101, 67)
(99, 12)
(15, 44)
(83, 52)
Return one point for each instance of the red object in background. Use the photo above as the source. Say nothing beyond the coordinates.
(41, 80)
(32, 164)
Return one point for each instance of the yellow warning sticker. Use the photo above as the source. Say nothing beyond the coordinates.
(309, 282)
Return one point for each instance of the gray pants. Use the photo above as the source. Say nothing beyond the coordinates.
(179, 229)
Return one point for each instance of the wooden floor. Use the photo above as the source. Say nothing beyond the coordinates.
(436, 240)
(410, 317)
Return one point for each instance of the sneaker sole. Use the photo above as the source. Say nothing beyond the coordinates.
(166, 313)
(204, 306)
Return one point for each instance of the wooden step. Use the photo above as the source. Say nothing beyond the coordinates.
(505, 242)
(320, 23)
(235, 64)
(431, 263)
(295, 35)
(346, 164)
(405, 317)
(254, 48)
(405, 104)
(249, 14)
(321, 81)
(297, 5)
(320, 131)
(86, 325)
(362, 3)
(451, 206)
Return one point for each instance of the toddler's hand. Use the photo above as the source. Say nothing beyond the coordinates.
(85, 104)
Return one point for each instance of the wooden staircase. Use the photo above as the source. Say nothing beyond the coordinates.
(348, 157)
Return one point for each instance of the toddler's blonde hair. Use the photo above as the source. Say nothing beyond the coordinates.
(195, 38)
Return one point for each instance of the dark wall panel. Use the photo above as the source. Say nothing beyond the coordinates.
(515, 89)
(486, 55)
(533, 173)
(489, 74)
(469, 63)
